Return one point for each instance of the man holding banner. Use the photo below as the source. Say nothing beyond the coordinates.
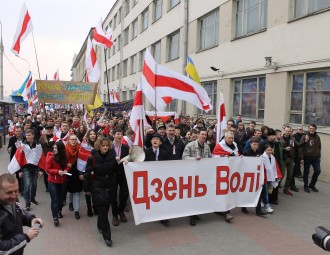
(197, 150)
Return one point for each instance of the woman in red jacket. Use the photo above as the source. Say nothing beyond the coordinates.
(57, 169)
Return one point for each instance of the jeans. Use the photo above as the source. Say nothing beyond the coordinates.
(317, 170)
(56, 192)
(103, 221)
(74, 198)
(264, 193)
(30, 177)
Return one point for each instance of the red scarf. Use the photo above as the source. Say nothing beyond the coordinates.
(72, 152)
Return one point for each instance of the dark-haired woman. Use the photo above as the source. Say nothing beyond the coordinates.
(56, 168)
(100, 181)
(85, 150)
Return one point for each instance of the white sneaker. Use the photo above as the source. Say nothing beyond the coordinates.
(269, 210)
(228, 217)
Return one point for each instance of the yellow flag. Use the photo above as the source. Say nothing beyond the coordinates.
(97, 104)
(191, 70)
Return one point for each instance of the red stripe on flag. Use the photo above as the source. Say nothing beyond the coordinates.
(17, 45)
(101, 39)
(138, 98)
(93, 56)
(222, 112)
(149, 75)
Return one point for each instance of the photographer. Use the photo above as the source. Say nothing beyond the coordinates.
(13, 218)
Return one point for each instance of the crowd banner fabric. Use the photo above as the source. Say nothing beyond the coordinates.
(177, 188)
(121, 106)
(66, 92)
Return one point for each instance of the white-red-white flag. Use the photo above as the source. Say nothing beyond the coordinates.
(25, 155)
(26, 94)
(57, 75)
(166, 84)
(92, 66)
(137, 116)
(100, 37)
(24, 27)
(221, 118)
(35, 98)
(114, 97)
(148, 83)
(83, 155)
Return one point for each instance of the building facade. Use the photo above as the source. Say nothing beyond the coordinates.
(269, 57)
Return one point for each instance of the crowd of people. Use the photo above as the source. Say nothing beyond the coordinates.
(84, 154)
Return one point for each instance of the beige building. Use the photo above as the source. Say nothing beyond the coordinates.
(272, 56)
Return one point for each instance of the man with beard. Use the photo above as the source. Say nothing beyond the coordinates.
(173, 145)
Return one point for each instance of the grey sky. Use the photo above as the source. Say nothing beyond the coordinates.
(60, 28)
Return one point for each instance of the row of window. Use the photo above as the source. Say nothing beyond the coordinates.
(310, 97)
(157, 7)
(251, 17)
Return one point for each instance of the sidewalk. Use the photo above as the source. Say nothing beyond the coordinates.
(287, 231)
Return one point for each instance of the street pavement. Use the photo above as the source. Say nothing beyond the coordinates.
(287, 231)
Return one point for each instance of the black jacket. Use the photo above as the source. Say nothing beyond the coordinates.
(124, 150)
(12, 145)
(12, 239)
(251, 153)
(100, 177)
(174, 153)
(150, 155)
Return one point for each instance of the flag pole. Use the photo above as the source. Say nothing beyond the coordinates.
(106, 70)
(155, 116)
(35, 50)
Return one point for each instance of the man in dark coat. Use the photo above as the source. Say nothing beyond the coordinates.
(172, 145)
(12, 219)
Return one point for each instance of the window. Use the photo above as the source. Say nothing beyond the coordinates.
(113, 73)
(211, 89)
(171, 107)
(125, 36)
(173, 3)
(173, 46)
(119, 16)
(125, 8)
(209, 30)
(310, 98)
(125, 68)
(118, 71)
(133, 64)
(134, 28)
(134, 2)
(109, 52)
(119, 42)
(123, 95)
(114, 21)
(141, 59)
(131, 94)
(105, 77)
(251, 16)
(249, 97)
(305, 7)
(110, 24)
(158, 8)
(156, 51)
(114, 47)
(144, 16)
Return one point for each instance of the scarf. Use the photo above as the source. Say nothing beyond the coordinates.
(72, 152)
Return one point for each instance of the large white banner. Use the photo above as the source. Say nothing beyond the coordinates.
(171, 189)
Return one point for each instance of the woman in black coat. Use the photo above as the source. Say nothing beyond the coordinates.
(100, 181)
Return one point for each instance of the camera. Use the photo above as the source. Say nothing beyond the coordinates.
(321, 238)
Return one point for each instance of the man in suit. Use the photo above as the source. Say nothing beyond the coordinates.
(155, 153)
(173, 145)
(121, 151)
